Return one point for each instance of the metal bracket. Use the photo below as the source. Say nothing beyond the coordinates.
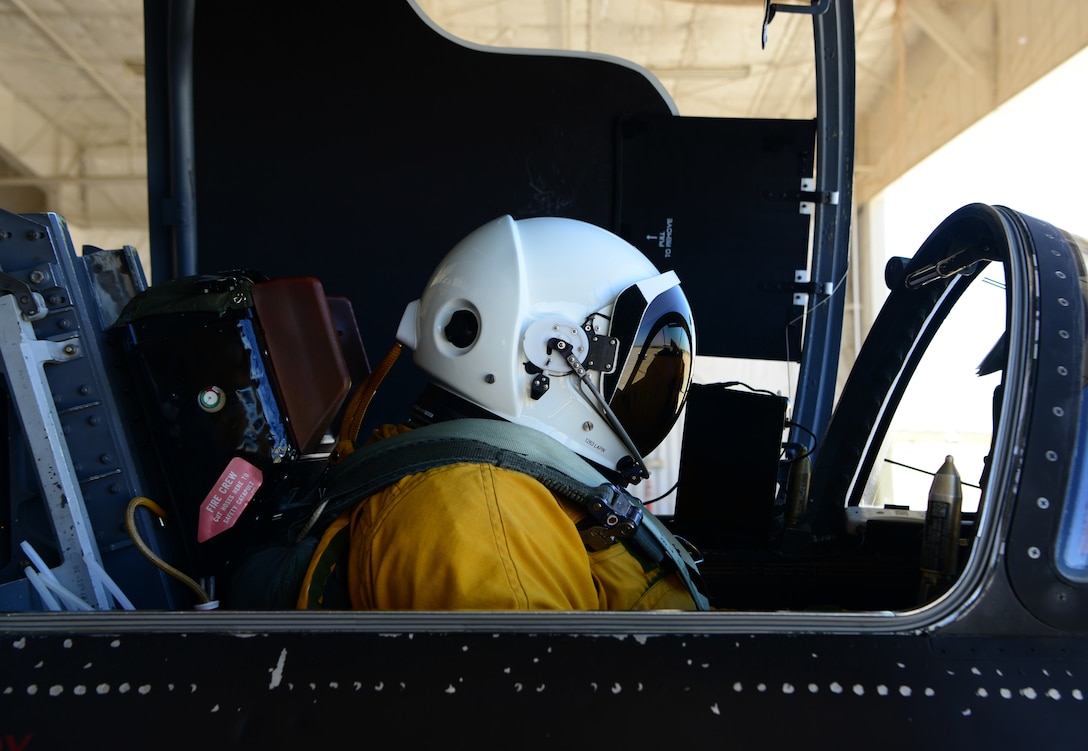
(22, 356)
(807, 197)
(603, 350)
(539, 386)
(801, 287)
(962, 261)
(31, 304)
(800, 277)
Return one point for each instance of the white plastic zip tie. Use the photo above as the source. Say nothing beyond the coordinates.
(50, 580)
(67, 596)
(46, 596)
(39, 564)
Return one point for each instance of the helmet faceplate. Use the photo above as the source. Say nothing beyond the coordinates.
(488, 321)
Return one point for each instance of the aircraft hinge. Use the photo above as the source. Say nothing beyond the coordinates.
(807, 197)
(801, 287)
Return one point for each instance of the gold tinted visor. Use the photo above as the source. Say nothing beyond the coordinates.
(648, 391)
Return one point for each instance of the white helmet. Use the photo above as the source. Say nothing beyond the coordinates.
(563, 327)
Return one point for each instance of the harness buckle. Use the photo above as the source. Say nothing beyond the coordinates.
(616, 515)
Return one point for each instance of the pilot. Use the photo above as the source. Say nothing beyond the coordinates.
(561, 327)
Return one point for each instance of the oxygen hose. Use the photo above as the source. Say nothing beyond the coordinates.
(360, 402)
(206, 602)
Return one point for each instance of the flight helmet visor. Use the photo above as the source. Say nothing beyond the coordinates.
(648, 391)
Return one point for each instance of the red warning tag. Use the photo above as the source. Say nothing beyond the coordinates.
(222, 507)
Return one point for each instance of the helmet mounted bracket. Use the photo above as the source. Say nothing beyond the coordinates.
(603, 351)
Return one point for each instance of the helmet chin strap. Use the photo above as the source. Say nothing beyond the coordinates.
(635, 473)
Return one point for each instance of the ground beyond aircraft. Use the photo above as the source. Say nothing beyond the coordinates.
(836, 622)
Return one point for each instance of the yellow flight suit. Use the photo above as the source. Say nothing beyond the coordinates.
(479, 537)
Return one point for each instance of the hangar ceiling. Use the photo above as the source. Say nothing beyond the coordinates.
(72, 101)
(72, 124)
